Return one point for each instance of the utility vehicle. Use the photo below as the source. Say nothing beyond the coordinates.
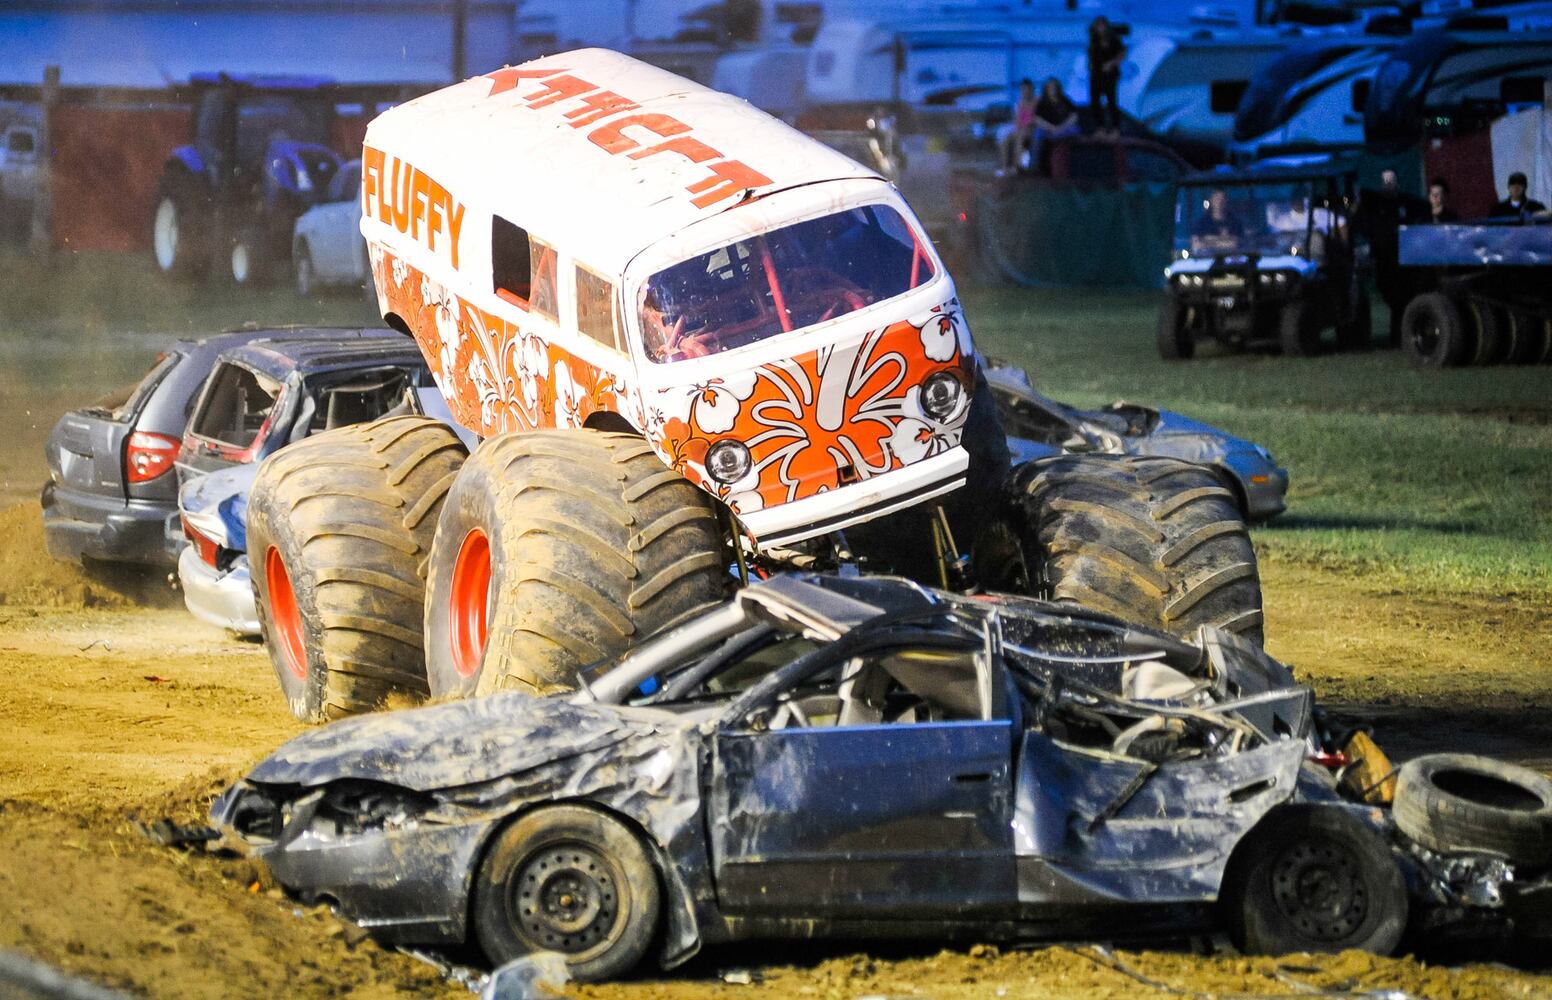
(1264, 256)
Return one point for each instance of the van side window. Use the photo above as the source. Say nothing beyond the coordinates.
(237, 406)
(544, 300)
(510, 270)
(595, 308)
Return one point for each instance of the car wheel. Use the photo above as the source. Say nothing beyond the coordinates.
(1297, 331)
(572, 880)
(245, 260)
(302, 267)
(1433, 333)
(1174, 334)
(1452, 802)
(1315, 880)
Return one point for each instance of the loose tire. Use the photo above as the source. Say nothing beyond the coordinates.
(1152, 540)
(177, 245)
(1452, 802)
(1297, 331)
(1174, 336)
(556, 549)
(1489, 327)
(1314, 879)
(302, 270)
(1433, 332)
(571, 880)
(339, 528)
(1357, 334)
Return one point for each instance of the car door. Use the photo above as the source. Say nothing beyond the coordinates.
(854, 817)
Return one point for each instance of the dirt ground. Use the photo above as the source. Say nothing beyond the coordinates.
(116, 709)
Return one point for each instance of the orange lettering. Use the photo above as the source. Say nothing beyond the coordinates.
(612, 139)
(727, 179)
(689, 147)
(419, 191)
(558, 88)
(599, 105)
(454, 224)
(400, 193)
(371, 178)
(503, 80)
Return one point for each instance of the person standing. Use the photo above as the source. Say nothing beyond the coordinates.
(1106, 54)
(1381, 213)
(1517, 206)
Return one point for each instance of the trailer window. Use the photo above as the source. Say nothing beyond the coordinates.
(595, 308)
(781, 281)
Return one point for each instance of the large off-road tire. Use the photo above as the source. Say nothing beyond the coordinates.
(1433, 333)
(339, 529)
(1155, 541)
(571, 880)
(179, 236)
(248, 262)
(1524, 332)
(1489, 326)
(1453, 802)
(559, 548)
(1314, 879)
(1297, 331)
(1174, 336)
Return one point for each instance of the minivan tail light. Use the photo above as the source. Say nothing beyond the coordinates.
(149, 455)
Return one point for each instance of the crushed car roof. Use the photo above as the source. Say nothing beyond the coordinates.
(281, 357)
(597, 150)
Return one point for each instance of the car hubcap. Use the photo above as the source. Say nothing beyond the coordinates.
(285, 614)
(166, 233)
(566, 899)
(468, 605)
(1319, 888)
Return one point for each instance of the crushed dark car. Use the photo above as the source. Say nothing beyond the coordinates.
(844, 756)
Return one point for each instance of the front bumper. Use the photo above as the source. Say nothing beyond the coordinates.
(223, 599)
(109, 528)
(858, 502)
(408, 884)
(1263, 483)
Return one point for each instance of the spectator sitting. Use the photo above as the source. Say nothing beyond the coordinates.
(1055, 118)
(1439, 210)
(1023, 127)
(1517, 206)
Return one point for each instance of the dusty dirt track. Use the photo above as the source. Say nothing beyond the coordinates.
(114, 710)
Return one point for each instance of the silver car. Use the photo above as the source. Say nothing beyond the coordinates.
(1039, 427)
(213, 567)
(327, 249)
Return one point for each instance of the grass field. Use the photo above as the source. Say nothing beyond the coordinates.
(1425, 481)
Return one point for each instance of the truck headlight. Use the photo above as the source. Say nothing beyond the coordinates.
(727, 462)
(941, 395)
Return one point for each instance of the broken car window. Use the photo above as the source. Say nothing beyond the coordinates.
(237, 405)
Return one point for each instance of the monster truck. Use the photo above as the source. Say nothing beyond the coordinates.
(696, 344)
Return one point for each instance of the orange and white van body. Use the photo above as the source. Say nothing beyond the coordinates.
(584, 236)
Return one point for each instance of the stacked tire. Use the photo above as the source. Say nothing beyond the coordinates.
(1445, 330)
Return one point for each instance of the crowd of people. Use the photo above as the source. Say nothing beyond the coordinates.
(1051, 114)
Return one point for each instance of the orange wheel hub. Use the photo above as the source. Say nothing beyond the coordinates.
(285, 614)
(468, 603)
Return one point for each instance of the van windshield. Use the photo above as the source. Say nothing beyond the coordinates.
(780, 281)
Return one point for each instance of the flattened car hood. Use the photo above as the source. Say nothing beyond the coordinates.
(462, 743)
